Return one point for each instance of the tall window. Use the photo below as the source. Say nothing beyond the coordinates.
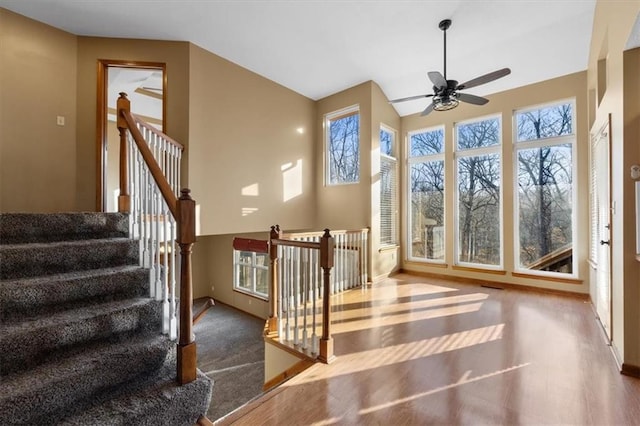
(478, 199)
(343, 146)
(388, 188)
(251, 273)
(544, 151)
(426, 195)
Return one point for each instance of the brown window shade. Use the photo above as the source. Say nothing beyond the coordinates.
(247, 244)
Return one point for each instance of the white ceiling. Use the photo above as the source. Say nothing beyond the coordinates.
(318, 48)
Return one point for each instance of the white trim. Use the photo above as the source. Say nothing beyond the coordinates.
(569, 139)
(336, 115)
(409, 161)
(474, 152)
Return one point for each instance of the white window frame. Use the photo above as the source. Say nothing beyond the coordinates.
(254, 266)
(409, 161)
(393, 160)
(335, 115)
(474, 152)
(539, 143)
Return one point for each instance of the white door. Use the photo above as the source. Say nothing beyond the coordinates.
(602, 234)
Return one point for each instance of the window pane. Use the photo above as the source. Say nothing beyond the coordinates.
(547, 122)
(544, 200)
(427, 210)
(386, 143)
(245, 279)
(479, 209)
(344, 149)
(262, 281)
(245, 257)
(479, 134)
(427, 143)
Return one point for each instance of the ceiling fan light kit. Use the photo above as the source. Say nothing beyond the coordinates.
(446, 93)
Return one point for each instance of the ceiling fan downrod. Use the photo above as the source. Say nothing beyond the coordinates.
(444, 26)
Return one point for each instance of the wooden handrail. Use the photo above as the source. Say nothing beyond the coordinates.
(157, 132)
(296, 243)
(183, 210)
(154, 169)
(320, 233)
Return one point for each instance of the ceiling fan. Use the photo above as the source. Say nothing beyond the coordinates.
(446, 92)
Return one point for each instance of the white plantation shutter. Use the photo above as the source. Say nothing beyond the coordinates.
(388, 200)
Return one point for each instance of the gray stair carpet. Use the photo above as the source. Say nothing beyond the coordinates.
(80, 340)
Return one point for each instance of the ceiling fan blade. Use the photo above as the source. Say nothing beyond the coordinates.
(427, 110)
(472, 99)
(437, 79)
(410, 98)
(484, 79)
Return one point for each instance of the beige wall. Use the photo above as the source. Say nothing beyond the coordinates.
(504, 103)
(90, 50)
(612, 26)
(37, 84)
(345, 206)
(251, 143)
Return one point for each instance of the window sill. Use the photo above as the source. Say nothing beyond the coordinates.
(253, 295)
(563, 280)
(428, 263)
(388, 248)
(481, 270)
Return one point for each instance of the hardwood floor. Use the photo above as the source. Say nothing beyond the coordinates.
(421, 351)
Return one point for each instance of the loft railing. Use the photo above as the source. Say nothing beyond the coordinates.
(351, 256)
(300, 293)
(160, 214)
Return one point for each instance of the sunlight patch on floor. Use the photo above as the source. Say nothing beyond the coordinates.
(383, 310)
(408, 317)
(463, 380)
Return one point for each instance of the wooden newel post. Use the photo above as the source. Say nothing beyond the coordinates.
(326, 262)
(124, 199)
(273, 289)
(186, 208)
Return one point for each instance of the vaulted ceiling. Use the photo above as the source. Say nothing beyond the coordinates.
(318, 48)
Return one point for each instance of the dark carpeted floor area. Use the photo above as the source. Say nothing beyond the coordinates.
(231, 352)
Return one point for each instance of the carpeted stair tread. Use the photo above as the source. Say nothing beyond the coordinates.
(28, 343)
(157, 400)
(38, 396)
(27, 297)
(80, 340)
(42, 227)
(39, 259)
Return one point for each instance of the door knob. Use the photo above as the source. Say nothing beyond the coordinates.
(602, 242)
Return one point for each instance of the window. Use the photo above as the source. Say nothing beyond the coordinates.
(251, 273)
(388, 188)
(343, 146)
(544, 152)
(478, 201)
(426, 195)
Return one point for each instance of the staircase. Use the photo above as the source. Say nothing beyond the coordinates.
(81, 342)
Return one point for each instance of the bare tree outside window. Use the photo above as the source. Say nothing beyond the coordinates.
(426, 182)
(478, 183)
(545, 188)
(343, 148)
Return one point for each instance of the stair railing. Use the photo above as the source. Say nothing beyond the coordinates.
(351, 256)
(160, 213)
(300, 293)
